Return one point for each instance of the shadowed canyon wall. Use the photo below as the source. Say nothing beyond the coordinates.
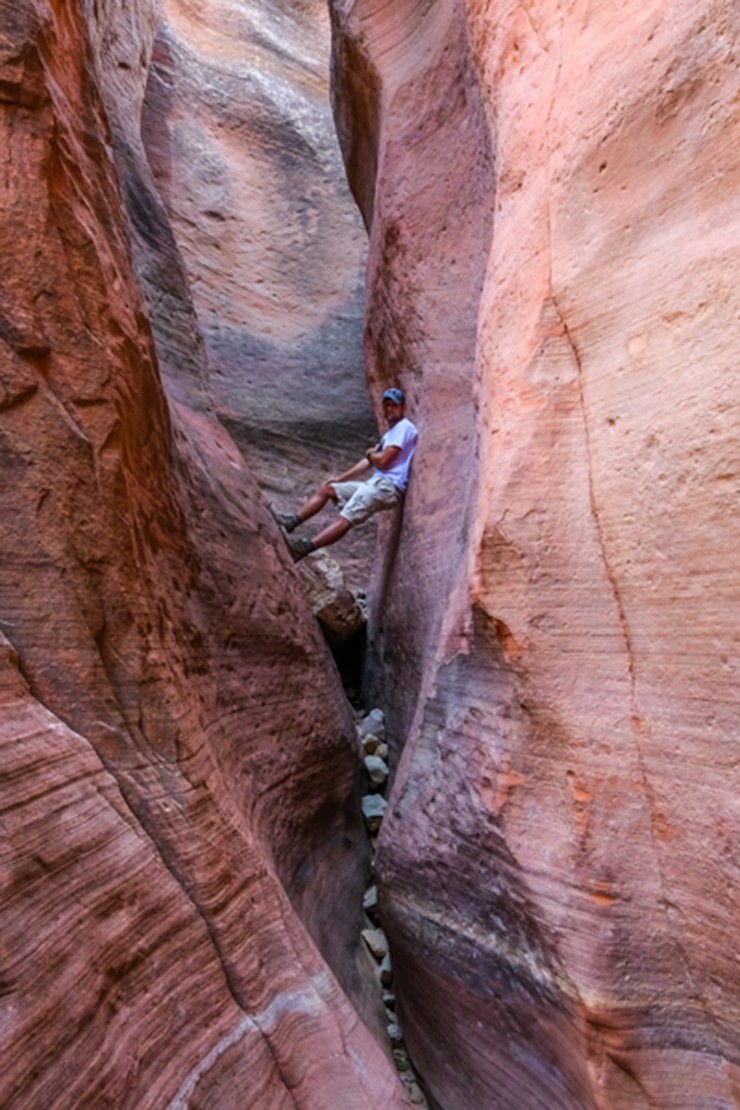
(181, 846)
(238, 133)
(552, 196)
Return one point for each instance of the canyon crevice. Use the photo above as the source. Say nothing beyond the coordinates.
(191, 313)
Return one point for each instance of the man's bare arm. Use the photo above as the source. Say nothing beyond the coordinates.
(373, 457)
(382, 459)
(354, 472)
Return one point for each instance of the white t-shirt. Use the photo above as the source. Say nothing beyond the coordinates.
(403, 435)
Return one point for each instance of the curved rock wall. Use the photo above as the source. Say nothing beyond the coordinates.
(238, 132)
(180, 802)
(431, 225)
(552, 278)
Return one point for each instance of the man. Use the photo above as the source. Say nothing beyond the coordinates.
(390, 462)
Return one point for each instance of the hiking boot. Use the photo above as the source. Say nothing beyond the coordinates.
(300, 547)
(287, 521)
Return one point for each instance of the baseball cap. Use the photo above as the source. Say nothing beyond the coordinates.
(397, 396)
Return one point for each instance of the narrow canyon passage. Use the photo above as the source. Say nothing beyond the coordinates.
(526, 216)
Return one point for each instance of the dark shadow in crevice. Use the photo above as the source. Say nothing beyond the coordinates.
(350, 660)
(372, 682)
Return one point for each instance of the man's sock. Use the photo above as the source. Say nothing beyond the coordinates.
(288, 521)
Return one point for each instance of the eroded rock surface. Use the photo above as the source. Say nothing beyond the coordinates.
(552, 202)
(181, 793)
(238, 132)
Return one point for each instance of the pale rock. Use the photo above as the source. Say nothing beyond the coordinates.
(373, 809)
(361, 599)
(415, 1093)
(376, 941)
(401, 1059)
(371, 743)
(373, 723)
(370, 900)
(394, 1033)
(377, 770)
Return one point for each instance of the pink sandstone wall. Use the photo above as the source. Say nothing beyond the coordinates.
(552, 276)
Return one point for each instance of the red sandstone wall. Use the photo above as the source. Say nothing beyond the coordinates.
(178, 774)
(553, 212)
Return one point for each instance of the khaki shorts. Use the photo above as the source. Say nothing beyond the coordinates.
(359, 500)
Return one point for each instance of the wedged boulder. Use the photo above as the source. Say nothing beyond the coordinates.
(335, 606)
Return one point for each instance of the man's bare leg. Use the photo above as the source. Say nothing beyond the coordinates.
(316, 502)
(290, 521)
(332, 532)
(299, 548)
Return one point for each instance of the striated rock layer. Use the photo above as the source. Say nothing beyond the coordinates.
(552, 202)
(180, 808)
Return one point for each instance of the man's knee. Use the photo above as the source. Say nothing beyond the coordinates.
(327, 490)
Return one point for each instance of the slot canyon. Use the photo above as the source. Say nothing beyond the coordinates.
(228, 227)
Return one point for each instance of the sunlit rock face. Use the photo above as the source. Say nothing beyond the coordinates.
(553, 202)
(181, 845)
